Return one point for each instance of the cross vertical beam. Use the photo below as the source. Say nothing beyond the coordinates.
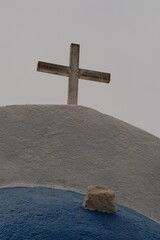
(73, 74)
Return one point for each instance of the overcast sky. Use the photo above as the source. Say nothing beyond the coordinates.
(117, 36)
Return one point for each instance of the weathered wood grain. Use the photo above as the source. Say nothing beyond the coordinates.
(73, 75)
(94, 75)
(73, 72)
(53, 69)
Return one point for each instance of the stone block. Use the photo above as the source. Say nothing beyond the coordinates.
(100, 198)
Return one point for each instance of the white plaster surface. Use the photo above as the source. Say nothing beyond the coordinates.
(73, 147)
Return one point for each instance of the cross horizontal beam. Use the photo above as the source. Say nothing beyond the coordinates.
(53, 69)
(65, 71)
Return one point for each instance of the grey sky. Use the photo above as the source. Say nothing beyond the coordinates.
(117, 36)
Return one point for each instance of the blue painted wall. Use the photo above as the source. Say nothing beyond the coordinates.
(51, 214)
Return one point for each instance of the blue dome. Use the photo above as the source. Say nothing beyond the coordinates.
(44, 213)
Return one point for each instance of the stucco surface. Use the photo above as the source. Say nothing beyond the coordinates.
(73, 147)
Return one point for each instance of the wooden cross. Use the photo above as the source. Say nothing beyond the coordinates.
(74, 73)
